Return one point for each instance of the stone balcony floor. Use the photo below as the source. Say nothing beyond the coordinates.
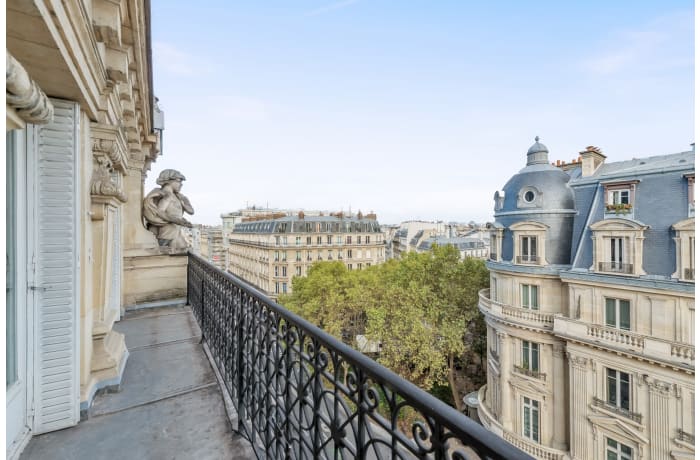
(170, 405)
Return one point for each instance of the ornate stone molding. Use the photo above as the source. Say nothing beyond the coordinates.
(578, 362)
(659, 387)
(558, 350)
(24, 95)
(102, 183)
(110, 141)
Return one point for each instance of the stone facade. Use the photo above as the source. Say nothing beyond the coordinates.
(80, 138)
(269, 253)
(590, 311)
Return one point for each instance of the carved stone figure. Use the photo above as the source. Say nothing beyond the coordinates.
(163, 210)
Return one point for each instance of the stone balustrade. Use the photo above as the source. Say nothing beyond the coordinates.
(645, 346)
(534, 449)
(523, 316)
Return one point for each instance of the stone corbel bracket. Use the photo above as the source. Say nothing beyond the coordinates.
(24, 95)
(111, 142)
(104, 191)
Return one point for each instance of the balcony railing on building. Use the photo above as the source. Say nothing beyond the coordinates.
(529, 372)
(301, 393)
(597, 402)
(615, 267)
(527, 259)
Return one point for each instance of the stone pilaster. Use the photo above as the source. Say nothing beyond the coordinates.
(561, 399)
(506, 359)
(659, 426)
(578, 369)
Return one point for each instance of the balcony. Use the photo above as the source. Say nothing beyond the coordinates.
(681, 355)
(635, 417)
(615, 267)
(528, 260)
(523, 316)
(169, 405)
(300, 393)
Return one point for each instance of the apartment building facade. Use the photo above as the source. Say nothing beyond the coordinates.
(590, 311)
(269, 253)
(82, 130)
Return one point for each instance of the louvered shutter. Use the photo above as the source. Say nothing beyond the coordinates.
(56, 300)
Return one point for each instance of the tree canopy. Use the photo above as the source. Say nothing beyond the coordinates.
(417, 308)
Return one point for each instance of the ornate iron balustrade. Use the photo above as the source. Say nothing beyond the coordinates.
(302, 394)
(615, 267)
(618, 410)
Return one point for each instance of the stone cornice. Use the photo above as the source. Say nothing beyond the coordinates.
(24, 95)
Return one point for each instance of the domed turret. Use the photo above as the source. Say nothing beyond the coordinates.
(537, 154)
(539, 193)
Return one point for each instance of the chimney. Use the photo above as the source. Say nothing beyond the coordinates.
(591, 159)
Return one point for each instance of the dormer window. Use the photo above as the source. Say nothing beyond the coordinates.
(685, 250)
(528, 249)
(618, 246)
(691, 194)
(529, 243)
(619, 199)
(495, 241)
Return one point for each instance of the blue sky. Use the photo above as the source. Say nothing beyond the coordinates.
(412, 109)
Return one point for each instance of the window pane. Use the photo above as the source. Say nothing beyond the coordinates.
(610, 313)
(524, 295)
(625, 315)
(526, 421)
(611, 443)
(536, 425)
(626, 449)
(535, 357)
(624, 391)
(11, 267)
(526, 355)
(612, 387)
(533, 293)
(611, 455)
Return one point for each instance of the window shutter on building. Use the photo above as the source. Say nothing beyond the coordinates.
(57, 360)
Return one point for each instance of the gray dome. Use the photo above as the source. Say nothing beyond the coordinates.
(537, 147)
(549, 185)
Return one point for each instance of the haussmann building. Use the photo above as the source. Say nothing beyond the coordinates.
(591, 308)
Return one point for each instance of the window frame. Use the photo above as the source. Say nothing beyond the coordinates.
(613, 378)
(616, 323)
(528, 305)
(617, 449)
(530, 355)
(531, 430)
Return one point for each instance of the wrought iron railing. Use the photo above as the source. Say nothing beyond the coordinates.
(618, 410)
(615, 267)
(300, 393)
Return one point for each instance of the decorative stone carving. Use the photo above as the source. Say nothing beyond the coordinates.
(110, 141)
(163, 210)
(24, 95)
(659, 387)
(102, 183)
(578, 362)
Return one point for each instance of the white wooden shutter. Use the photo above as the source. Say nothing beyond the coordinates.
(56, 299)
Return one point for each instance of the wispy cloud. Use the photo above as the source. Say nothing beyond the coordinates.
(331, 7)
(168, 58)
(663, 44)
